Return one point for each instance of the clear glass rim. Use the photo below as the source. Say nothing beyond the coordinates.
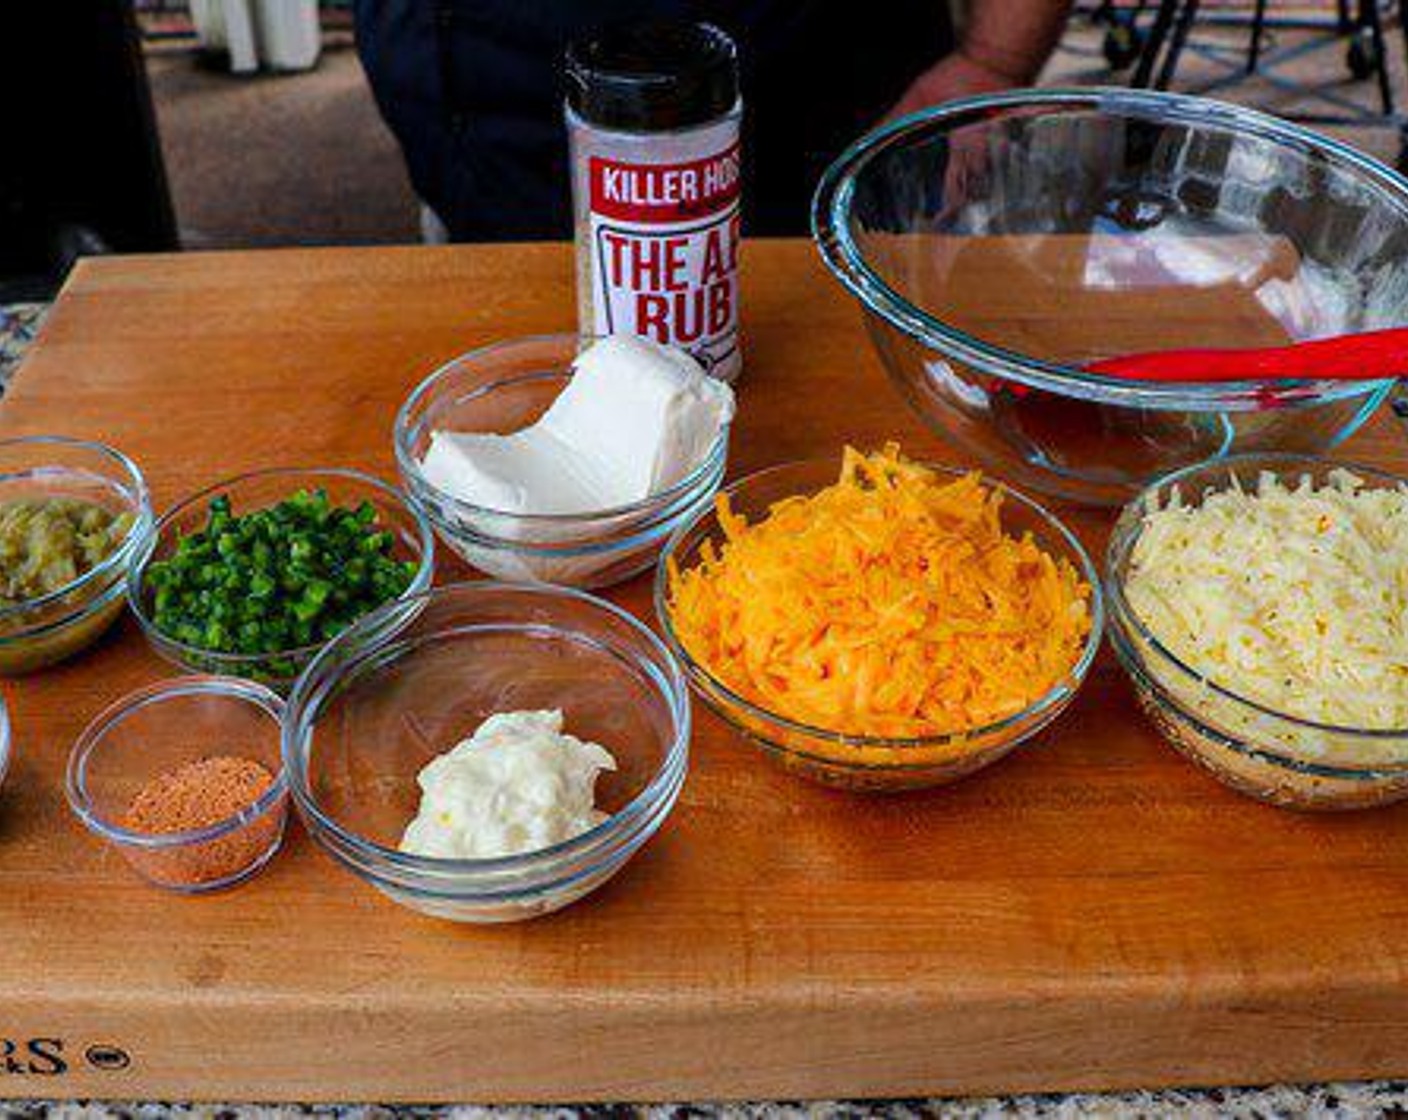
(1144, 681)
(305, 702)
(1068, 686)
(1126, 534)
(424, 395)
(136, 573)
(112, 594)
(641, 534)
(119, 557)
(234, 689)
(6, 737)
(831, 231)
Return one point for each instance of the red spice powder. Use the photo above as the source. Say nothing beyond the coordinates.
(196, 795)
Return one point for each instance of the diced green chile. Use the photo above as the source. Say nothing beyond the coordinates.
(47, 543)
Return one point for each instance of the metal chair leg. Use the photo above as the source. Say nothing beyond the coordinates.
(1258, 26)
(1158, 33)
(1175, 46)
(1403, 25)
(1370, 18)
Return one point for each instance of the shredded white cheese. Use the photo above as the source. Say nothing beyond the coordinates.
(1294, 597)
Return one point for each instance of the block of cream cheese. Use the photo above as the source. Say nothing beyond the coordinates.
(643, 415)
(635, 419)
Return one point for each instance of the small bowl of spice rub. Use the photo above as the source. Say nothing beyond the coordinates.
(1260, 606)
(878, 623)
(184, 778)
(501, 755)
(252, 576)
(72, 514)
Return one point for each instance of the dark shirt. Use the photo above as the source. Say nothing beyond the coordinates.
(473, 91)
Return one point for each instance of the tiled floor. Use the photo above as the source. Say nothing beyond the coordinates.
(1302, 73)
(279, 159)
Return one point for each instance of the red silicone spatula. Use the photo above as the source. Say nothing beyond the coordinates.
(1370, 356)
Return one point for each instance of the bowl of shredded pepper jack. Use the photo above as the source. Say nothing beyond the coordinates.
(252, 576)
(1259, 604)
(880, 623)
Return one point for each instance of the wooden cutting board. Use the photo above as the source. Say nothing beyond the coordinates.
(1092, 912)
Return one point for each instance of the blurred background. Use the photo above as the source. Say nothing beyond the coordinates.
(149, 125)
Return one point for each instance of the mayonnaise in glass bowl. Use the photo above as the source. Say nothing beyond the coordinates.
(367, 716)
(506, 387)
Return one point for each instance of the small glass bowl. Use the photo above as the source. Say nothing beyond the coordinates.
(862, 762)
(1278, 758)
(49, 628)
(504, 388)
(157, 729)
(257, 490)
(367, 716)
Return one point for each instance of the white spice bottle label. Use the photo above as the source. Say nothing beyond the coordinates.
(664, 242)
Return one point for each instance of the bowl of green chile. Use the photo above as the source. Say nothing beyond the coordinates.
(252, 576)
(73, 513)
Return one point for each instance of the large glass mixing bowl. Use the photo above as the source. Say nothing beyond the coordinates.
(1000, 244)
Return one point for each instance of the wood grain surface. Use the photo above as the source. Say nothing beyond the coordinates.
(1091, 912)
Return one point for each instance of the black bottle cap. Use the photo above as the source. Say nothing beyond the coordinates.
(652, 76)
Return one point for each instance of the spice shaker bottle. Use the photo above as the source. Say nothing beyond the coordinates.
(653, 112)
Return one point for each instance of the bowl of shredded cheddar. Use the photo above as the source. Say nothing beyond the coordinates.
(1259, 604)
(879, 623)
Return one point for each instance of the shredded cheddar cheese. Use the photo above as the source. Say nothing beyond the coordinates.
(1295, 597)
(889, 604)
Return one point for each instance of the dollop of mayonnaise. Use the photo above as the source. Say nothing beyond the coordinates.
(518, 784)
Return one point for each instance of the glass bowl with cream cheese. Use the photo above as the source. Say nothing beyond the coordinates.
(537, 460)
(1259, 604)
(502, 754)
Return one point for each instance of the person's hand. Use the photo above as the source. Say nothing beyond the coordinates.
(955, 75)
